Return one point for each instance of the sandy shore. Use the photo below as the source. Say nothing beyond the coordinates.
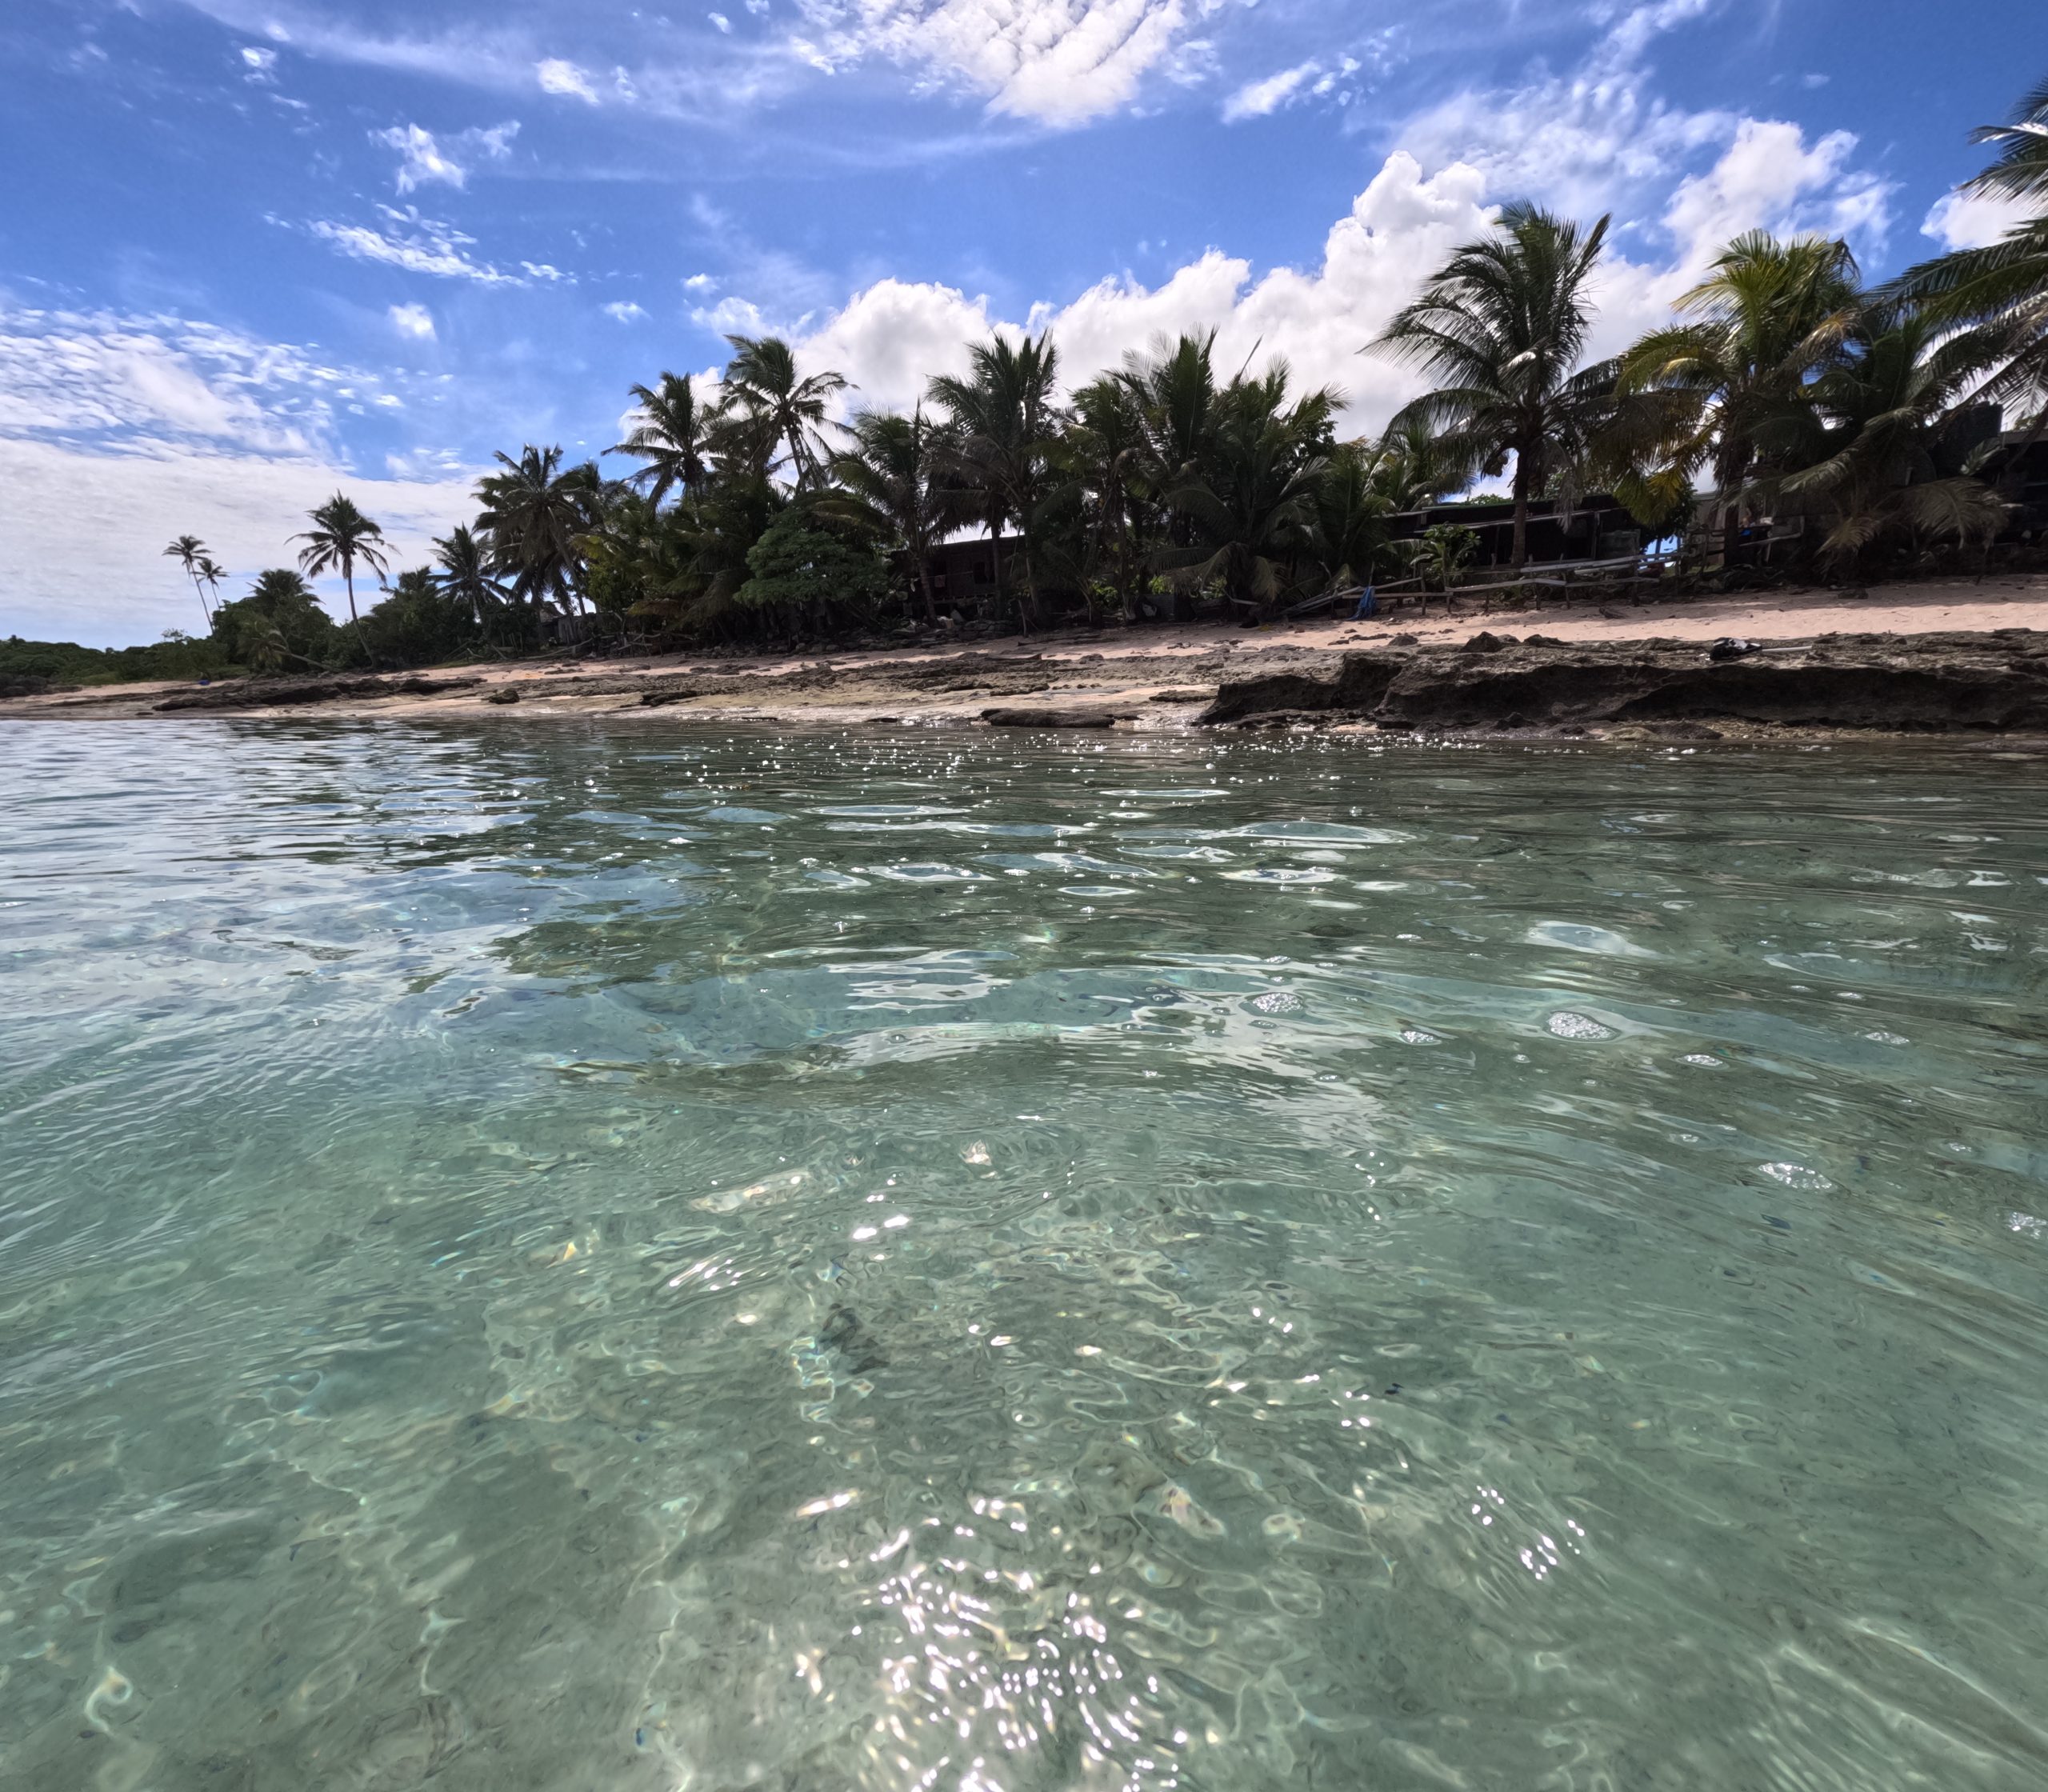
(1127, 670)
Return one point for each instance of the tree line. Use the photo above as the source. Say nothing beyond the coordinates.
(1782, 384)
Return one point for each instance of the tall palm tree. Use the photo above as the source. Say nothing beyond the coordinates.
(466, 572)
(192, 551)
(210, 573)
(1734, 375)
(673, 437)
(761, 383)
(1502, 328)
(1102, 456)
(341, 535)
(532, 511)
(1005, 423)
(893, 480)
(1996, 297)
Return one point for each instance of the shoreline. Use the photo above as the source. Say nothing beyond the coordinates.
(1946, 657)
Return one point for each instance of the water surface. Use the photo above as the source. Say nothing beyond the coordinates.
(623, 1261)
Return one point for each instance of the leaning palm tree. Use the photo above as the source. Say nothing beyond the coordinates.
(1502, 328)
(533, 512)
(1727, 383)
(892, 482)
(192, 552)
(762, 381)
(672, 437)
(1005, 424)
(210, 573)
(1995, 298)
(341, 535)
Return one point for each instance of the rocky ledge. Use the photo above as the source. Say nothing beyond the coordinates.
(1917, 683)
(273, 693)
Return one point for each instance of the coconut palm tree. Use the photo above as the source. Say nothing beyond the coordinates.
(1004, 424)
(1995, 298)
(341, 535)
(1502, 329)
(532, 512)
(466, 573)
(191, 551)
(892, 482)
(211, 572)
(1882, 472)
(1100, 457)
(763, 387)
(1734, 375)
(673, 437)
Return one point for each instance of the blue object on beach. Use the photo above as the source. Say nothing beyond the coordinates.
(1368, 605)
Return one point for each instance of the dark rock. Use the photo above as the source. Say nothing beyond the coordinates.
(1195, 694)
(1732, 647)
(1056, 719)
(1486, 641)
(508, 694)
(264, 694)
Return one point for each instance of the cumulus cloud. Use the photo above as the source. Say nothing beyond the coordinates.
(1969, 221)
(415, 321)
(557, 77)
(893, 335)
(1055, 61)
(1260, 98)
(625, 310)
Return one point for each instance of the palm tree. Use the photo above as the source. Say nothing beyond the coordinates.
(1252, 509)
(466, 572)
(762, 384)
(340, 536)
(533, 511)
(1101, 455)
(893, 480)
(1501, 327)
(673, 437)
(1996, 297)
(192, 551)
(1733, 376)
(1004, 426)
(210, 573)
(1884, 470)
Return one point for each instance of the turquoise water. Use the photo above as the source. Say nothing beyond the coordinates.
(618, 1261)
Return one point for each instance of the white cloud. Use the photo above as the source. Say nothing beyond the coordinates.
(413, 320)
(1967, 221)
(699, 283)
(87, 541)
(723, 23)
(557, 77)
(418, 245)
(1260, 98)
(1057, 61)
(423, 159)
(259, 62)
(625, 310)
(119, 431)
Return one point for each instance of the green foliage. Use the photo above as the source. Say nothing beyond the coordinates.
(1445, 550)
(421, 623)
(278, 627)
(805, 570)
(64, 662)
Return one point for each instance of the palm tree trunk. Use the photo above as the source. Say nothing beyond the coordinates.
(1519, 555)
(348, 578)
(924, 588)
(1731, 532)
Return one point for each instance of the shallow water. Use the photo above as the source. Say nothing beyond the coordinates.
(598, 1261)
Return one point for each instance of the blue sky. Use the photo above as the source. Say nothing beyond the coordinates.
(269, 248)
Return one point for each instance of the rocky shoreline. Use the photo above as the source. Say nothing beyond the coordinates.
(1983, 681)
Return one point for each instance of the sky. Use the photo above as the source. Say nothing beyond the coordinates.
(252, 252)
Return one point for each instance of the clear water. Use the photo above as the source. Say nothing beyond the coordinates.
(607, 1261)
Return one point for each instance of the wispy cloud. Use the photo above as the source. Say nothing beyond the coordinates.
(1260, 99)
(625, 310)
(417, 244)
